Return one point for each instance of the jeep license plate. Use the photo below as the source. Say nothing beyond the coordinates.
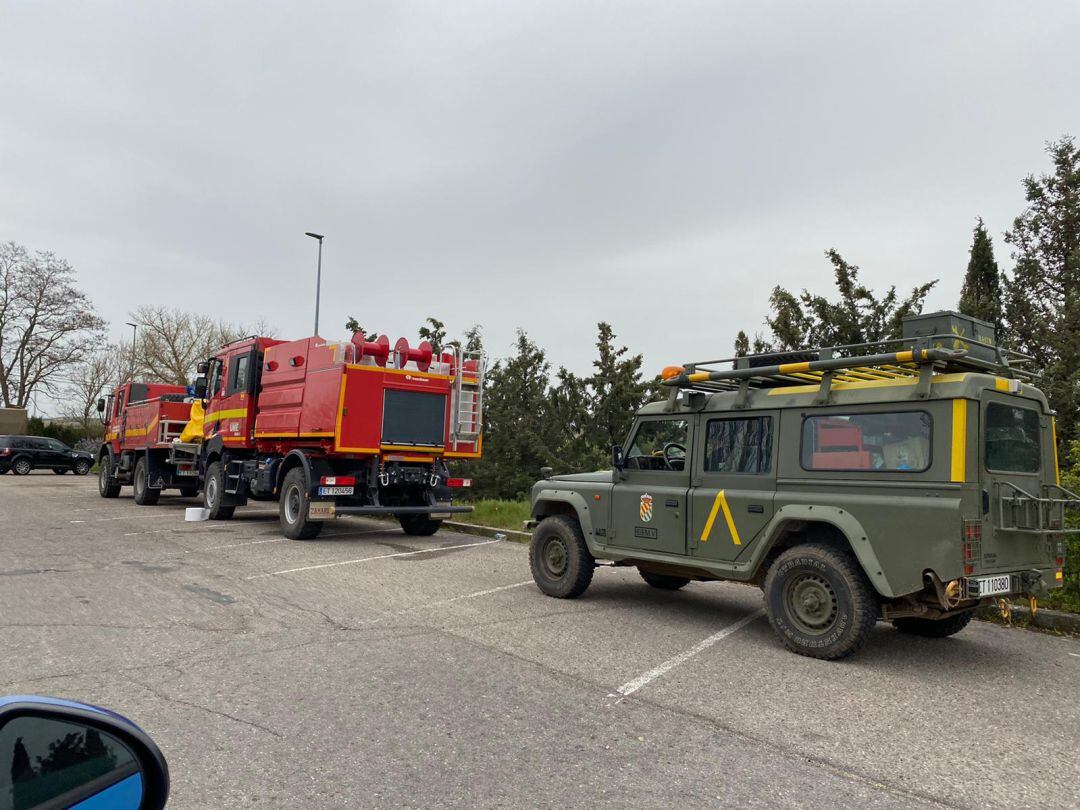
(992, 586)
(336, 490)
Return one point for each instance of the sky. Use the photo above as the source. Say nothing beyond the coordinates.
(532, 165)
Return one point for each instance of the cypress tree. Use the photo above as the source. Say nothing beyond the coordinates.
(980, 296)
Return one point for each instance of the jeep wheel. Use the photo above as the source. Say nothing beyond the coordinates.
(664, 582)
(293, 507)
(419, 525)
(22, 466)
(560, 561)
(82, 467)
(935, 628)
(144, 495)
(214, 493)
(819, 602)
(105, 485)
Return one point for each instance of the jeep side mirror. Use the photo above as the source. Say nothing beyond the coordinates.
(101, 405)
(200, 387)
(545, 472)
(617, 457)
(202, 368)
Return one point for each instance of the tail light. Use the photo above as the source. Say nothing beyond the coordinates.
(5, 451)
(972, 544)
(338, 480)
(459, 482)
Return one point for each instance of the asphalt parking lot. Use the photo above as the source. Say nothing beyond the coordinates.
(367, 668)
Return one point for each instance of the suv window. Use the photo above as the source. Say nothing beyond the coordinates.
(238, 373)
(1013, 439)
(738, 445)
(647, 451)
(884, 442)
(56, 444)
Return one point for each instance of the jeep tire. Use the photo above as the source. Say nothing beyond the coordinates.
(560, 561)
(664, 582)
(214, 493)
(107, 488)
(293, 507)
(144, 495)
(819, 602)
(419, 525)
(935, 628)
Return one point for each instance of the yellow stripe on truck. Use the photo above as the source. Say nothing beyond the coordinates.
(720, 503)
(793, 368)
(959, 440)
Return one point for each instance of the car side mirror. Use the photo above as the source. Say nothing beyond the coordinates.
(617, 462)
(200, 388)
(101, 405)
(202, 368)
(63, 754)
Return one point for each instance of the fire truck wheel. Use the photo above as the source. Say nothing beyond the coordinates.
(419, 525)
(561, 563)
(144, 496)
(106, 488)
(293, 507)
(213, 490)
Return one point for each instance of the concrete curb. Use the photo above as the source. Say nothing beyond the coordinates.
(487, 531)
(1044, 619)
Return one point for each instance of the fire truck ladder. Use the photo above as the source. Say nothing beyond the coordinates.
(467, 397)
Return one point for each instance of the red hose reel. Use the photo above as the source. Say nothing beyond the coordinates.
(379, 351)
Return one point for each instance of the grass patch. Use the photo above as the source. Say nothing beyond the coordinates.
(498, 514)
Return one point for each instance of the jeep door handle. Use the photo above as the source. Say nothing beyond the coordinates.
(756, 508)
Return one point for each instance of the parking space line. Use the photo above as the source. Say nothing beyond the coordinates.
(368, 559)
(236, 545)
(1075, 655)
(646, 678)
(128, 517)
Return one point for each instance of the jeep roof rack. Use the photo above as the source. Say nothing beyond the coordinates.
(897, 359)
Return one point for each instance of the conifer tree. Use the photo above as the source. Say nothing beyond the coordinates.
(980, 296)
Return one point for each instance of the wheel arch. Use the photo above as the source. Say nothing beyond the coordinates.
(794, 525)
(313, 467)
(550, 502)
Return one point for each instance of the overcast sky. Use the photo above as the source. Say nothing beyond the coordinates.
(515, 164)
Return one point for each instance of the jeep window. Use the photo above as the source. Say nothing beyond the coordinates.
(898, 441)
(1013, 441)
(739, 445)
(659, 444)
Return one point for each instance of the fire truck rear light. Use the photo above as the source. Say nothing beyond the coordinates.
(338, 481)
(459, 482)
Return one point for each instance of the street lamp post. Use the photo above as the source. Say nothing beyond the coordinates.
(134, 330)
(318, 278)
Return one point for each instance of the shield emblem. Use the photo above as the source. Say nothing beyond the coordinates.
(645, 510)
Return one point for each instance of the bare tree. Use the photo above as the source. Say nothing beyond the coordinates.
(91, 379)
(47, 324)
(171, 342)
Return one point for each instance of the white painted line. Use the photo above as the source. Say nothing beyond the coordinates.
(488, 592)
(368, 559)
(130, 517)
(630, 687)
(236, 545)
(1075, 655)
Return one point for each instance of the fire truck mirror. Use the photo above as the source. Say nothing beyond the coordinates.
(200, 388)
(202, 368)
(101, 405)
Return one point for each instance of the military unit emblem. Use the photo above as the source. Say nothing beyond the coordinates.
(645, 510)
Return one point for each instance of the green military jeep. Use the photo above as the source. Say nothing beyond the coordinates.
(909, 482)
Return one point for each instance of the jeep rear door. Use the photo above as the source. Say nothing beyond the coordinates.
(649, 498)
(734, 483)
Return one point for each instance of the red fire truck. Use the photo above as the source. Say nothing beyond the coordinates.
(324, 428)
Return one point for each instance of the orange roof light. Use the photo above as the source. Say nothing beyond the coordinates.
(671, 371)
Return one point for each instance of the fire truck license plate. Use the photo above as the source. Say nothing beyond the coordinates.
(336, 490)
(992, 586)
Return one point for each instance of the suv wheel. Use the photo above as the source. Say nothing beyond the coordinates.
(561, 563)
(935, 628)
(22, 466)
(106, 487)
(293, 507)
(214, 493)
(82, 467)
(819, 602)
(144, 495)
(419, 525)
(664, 582)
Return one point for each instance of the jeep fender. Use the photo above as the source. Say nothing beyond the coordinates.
(563, 502)
(842, 520)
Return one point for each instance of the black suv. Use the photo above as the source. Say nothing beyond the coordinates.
(20, 454)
